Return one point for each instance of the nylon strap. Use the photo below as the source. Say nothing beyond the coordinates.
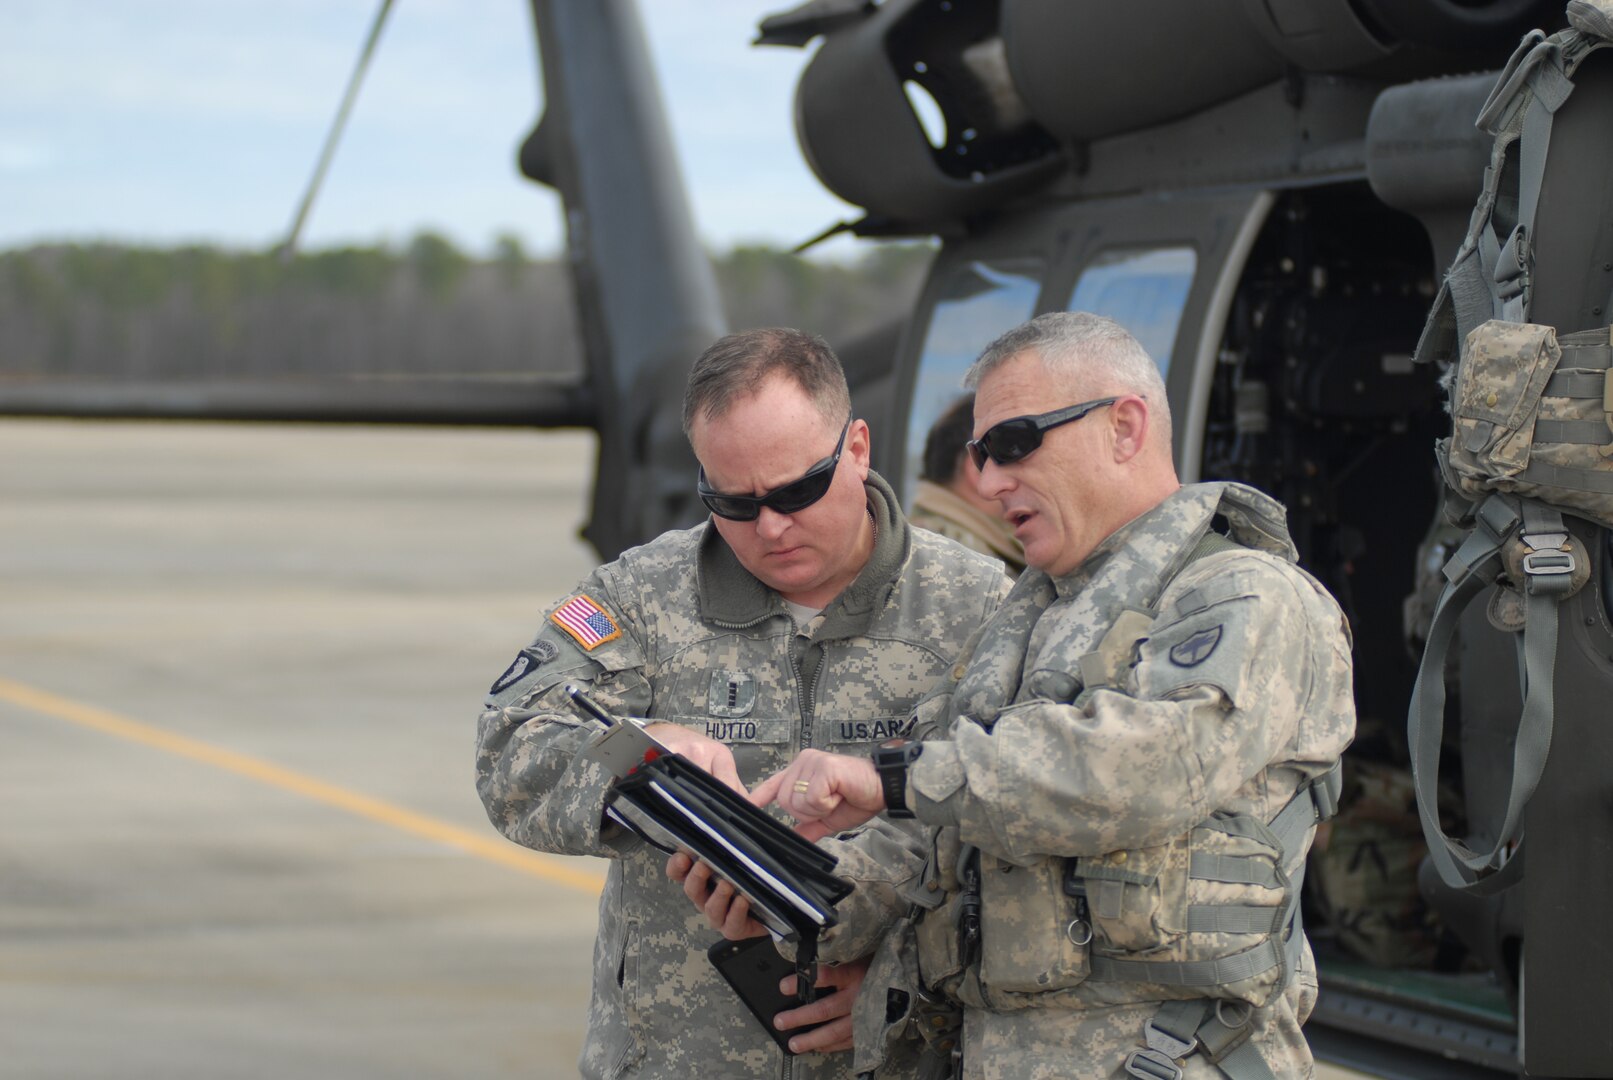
(1181, 1019)
(1561, 476)
(1460, 866)
(1492, 117)
(1578, 432)
(1489, 258)
(1202, 1027)
(1316, 802)
(1589, 348)
(1575, 384)
(1245, 1063)
(1234, 869)
(1550, 87)
(1470, 293)
(1218, 972)
(1227, 919)
(1596, 355)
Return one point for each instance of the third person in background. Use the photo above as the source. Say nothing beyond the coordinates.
(948, 500)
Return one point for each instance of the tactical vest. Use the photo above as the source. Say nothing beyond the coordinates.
(1532, 439)
(1211, 916)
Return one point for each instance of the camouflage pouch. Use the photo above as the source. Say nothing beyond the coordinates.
(1200, 916)
(1532, 415)
(1033, 937)
(1137, 899)
(883, 1039)
(935, 897)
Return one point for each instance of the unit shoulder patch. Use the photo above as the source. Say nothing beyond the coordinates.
(588, 624)
(1195, 650)
(529, 659)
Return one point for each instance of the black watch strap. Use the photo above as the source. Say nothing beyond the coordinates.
(891, 763)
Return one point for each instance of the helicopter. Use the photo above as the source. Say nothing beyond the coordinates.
(1266, 193)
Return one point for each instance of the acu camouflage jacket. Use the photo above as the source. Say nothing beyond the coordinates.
(678, 631)
(1129, 728)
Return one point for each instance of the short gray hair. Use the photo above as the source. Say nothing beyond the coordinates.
(738, 365)
(1091, 351)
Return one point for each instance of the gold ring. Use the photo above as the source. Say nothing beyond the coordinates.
(801, 787)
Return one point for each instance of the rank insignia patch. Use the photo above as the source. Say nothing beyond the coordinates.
(586, 621)
(1196, 649)
(732, 695)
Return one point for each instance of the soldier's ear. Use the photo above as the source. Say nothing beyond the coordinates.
(859, 446)
(1128, 425)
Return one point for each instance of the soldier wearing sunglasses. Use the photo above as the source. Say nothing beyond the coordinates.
(804, 612)
(1122, 776)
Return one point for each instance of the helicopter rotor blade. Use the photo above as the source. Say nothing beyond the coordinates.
(289, 247)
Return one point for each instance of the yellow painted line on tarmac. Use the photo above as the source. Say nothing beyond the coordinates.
(490, 848)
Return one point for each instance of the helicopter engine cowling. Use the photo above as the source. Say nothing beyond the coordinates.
(1086, 72)
(1013, 85)
(860, 133)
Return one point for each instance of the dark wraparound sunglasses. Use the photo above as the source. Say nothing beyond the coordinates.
(1016, 439)
(793, 497)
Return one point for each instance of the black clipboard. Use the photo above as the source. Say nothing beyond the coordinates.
(789, 882)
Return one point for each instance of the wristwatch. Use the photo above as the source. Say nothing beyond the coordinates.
(891, 762)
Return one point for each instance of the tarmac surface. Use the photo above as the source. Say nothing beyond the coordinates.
(240, 668)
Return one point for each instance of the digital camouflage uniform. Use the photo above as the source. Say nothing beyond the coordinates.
(1130, 725)
(943, 511)
(687, 635)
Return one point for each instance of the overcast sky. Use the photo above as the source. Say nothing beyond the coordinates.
(169, 121)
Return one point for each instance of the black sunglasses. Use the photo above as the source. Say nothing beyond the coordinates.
(1016, 439)
(793, 497)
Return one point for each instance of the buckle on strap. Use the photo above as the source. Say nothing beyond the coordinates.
(1546, 563)
(1152, 1065)
(1158, 1061)
(1325, 791)
(1160, 1040)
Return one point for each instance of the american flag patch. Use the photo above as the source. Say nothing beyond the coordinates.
(586, 621)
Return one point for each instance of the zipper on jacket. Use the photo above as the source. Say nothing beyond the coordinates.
(807, 696)
(811, 695)
(803, 699)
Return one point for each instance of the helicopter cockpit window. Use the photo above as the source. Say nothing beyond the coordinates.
(1142, 289)
(980, 301)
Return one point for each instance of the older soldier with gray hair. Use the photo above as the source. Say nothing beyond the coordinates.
(1124, 774)
(805, 612)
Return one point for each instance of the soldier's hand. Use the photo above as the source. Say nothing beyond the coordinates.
(706, 752)
(825, 793)
(726, 910)
(847, 980)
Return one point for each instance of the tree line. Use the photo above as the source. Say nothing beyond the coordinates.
(426, 307)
